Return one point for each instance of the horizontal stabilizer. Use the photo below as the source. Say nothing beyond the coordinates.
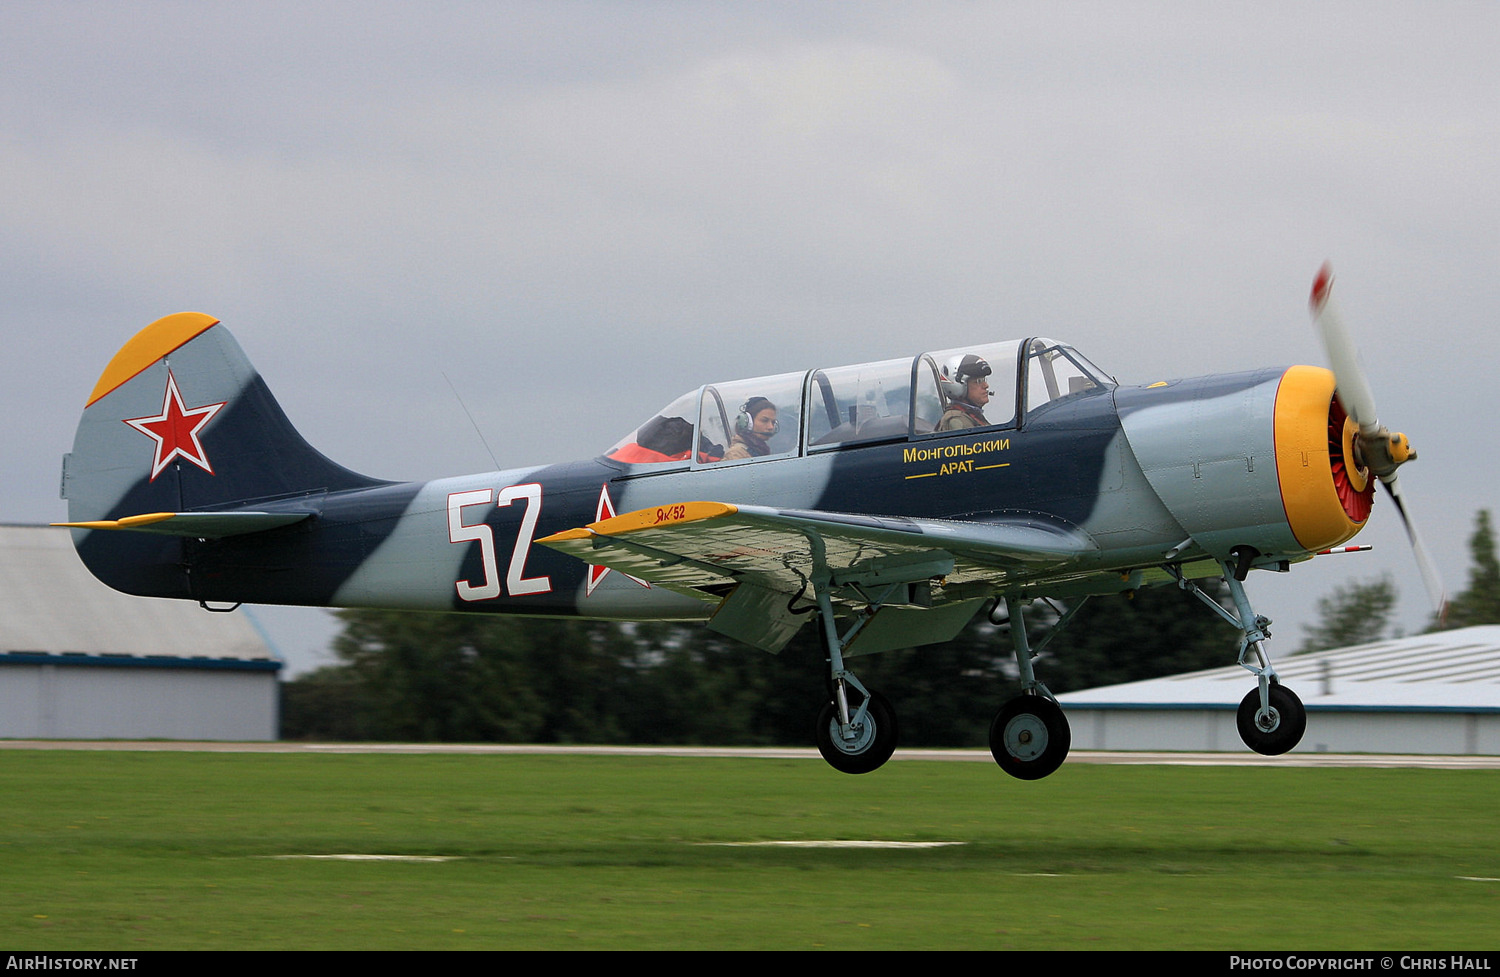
(202, 525)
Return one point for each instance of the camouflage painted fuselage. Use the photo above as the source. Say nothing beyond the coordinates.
(181, 424)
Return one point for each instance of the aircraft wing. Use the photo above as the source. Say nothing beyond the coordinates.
(765, 558)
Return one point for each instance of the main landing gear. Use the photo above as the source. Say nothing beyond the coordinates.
(855, 733)
(1030, 736)
(1271, 719)
(866, 742)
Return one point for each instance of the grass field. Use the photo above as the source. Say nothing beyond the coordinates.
(135, 851)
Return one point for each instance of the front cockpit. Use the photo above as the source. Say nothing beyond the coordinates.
(984, 387)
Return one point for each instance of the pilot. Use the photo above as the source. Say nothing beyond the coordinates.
(753, 430)
(963, 381)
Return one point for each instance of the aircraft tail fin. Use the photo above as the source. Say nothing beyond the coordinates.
(181, 423)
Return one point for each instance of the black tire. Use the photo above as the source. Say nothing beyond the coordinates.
(1288, 723)
(1030, 737)
(868, 752)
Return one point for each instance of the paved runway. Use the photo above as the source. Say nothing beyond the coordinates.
(1246, 759)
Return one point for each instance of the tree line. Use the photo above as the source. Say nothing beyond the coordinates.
(1359, 612)
(430, 677)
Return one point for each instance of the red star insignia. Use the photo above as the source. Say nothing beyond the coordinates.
(175, 430)
(606, 510)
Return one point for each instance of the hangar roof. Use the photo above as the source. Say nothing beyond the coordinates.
(51, 604)
(1446, 670)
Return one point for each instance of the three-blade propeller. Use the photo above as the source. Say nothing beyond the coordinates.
(1377, 449)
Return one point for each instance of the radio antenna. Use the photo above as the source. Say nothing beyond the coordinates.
(493, 460)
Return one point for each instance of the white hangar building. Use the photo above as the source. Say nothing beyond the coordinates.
(1426, 694)
(81, 661)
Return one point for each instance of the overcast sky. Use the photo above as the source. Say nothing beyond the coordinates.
(514, 196)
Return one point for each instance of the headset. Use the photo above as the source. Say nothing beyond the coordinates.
(744, 422)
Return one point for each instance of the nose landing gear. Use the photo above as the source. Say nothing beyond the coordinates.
(1271, 719)
(1276, 727)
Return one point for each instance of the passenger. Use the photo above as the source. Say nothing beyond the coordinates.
(659, 439)
(753, 430)
(967, 393)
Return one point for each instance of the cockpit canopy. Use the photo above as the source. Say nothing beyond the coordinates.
(970, 388)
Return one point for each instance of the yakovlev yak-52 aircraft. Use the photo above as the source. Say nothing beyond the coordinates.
(890, 502)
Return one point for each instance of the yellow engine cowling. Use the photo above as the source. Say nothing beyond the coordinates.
(1326, 494)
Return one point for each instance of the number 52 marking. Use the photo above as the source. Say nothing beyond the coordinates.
(489, 586)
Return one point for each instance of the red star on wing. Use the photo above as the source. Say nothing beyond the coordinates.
(175, 430)
(606, 510)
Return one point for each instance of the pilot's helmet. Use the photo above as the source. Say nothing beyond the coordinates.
(959, 370)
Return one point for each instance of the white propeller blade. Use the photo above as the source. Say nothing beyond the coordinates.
(1359, 403)
(1353, 389)
(1431, 579)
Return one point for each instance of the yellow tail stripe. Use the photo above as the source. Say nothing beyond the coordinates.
(149, 345)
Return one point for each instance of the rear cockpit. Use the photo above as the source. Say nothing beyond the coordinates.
(938, 393)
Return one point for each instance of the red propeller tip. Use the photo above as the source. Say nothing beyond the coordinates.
(1321, 285)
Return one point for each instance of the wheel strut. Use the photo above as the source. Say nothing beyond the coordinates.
(1030, 736)
(1271, 719)
(861, 738)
